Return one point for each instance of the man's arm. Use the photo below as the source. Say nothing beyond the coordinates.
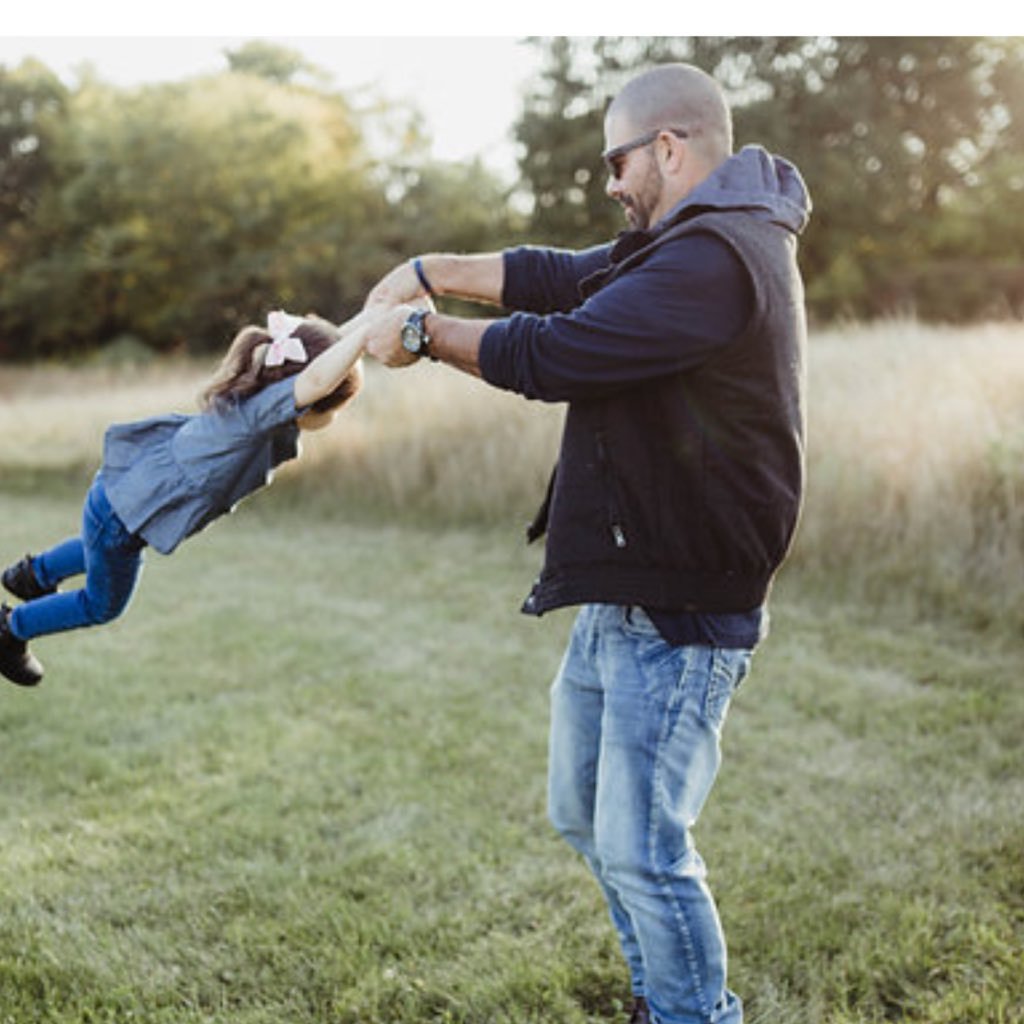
(672, 313)
(688, 300)
(477, 277)
(453, 340)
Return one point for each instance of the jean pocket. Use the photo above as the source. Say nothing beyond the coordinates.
(728, 670)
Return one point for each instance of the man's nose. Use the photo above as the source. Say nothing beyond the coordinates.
(613, 187)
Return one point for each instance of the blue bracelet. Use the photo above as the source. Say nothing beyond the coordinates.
(417, 265)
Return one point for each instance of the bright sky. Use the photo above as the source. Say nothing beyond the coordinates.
(469, 89)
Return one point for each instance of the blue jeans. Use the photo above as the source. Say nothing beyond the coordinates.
(635, 731)
(111, 559)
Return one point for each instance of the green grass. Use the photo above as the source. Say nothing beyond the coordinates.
(302, 780)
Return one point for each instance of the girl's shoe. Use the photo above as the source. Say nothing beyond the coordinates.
(20, 580)
(17, 662)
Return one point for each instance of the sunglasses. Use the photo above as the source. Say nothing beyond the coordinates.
(615, 158)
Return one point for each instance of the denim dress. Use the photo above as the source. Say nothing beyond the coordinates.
(162, 480)
(170, 476)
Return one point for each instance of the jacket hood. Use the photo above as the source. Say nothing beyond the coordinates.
(754, 180)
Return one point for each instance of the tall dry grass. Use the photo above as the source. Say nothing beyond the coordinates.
(916, 465)
(435, 444)
(916, 454)
(52, 417)
(426, 440)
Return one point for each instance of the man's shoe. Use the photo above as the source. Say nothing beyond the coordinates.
(20, 580)
(641, 1013)
(17, 662)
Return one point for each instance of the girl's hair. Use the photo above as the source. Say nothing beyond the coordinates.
(242, 371)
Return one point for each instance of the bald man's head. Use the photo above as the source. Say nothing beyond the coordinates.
(679, 96)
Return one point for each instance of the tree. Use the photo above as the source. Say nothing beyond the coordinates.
(32, 104)
(175, 213)
(561, 131)
(274, 62)
(891, 134)
(183, 210)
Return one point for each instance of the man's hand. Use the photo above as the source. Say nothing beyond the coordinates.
(397, 286)
(384, 335)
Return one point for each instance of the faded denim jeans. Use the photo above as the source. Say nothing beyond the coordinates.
(635, 731)
(108, 555)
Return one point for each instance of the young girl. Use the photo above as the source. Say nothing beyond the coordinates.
(164, 479)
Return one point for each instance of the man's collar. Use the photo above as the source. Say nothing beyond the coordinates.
(629, 242)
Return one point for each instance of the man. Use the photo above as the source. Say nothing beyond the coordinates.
(679, 350)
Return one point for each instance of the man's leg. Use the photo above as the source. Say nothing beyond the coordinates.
(577, 707)
(659, 753)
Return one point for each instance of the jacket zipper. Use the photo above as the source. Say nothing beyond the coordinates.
(614, 519)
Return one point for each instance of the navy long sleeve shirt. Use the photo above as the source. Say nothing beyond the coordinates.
(561, 349)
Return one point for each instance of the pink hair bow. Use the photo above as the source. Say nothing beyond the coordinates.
(283, 343)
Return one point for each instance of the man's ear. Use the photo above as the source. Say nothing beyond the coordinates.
(673, 153)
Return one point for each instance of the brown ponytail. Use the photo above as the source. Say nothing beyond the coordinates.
(242, 371)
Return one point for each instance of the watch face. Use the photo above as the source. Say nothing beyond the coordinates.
(410, 339)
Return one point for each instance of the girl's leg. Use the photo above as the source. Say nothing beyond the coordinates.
(60, 562)
(37, 576)
(112, 562)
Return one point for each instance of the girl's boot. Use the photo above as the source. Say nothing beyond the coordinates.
(21, 581)
(17, 662)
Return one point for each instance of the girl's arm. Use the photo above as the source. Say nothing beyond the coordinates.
(328, 370)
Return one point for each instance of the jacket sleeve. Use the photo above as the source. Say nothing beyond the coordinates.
(543, 281)
(692, 296)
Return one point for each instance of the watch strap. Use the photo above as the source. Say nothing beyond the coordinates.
(417, 321)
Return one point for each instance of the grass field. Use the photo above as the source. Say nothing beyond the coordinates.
(302, 781)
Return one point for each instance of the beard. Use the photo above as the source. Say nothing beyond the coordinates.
(639, 206)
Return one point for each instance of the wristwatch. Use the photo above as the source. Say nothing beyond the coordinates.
(414, 334)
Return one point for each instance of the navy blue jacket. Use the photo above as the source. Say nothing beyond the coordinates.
(680, 353)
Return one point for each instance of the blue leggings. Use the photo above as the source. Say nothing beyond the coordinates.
(111, 559)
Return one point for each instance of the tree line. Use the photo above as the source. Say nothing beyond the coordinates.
(169, 214)
(912, 149)
(165, 217)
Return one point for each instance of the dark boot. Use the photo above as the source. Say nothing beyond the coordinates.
(20, 580)
(641, 1014)
(17, 662)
